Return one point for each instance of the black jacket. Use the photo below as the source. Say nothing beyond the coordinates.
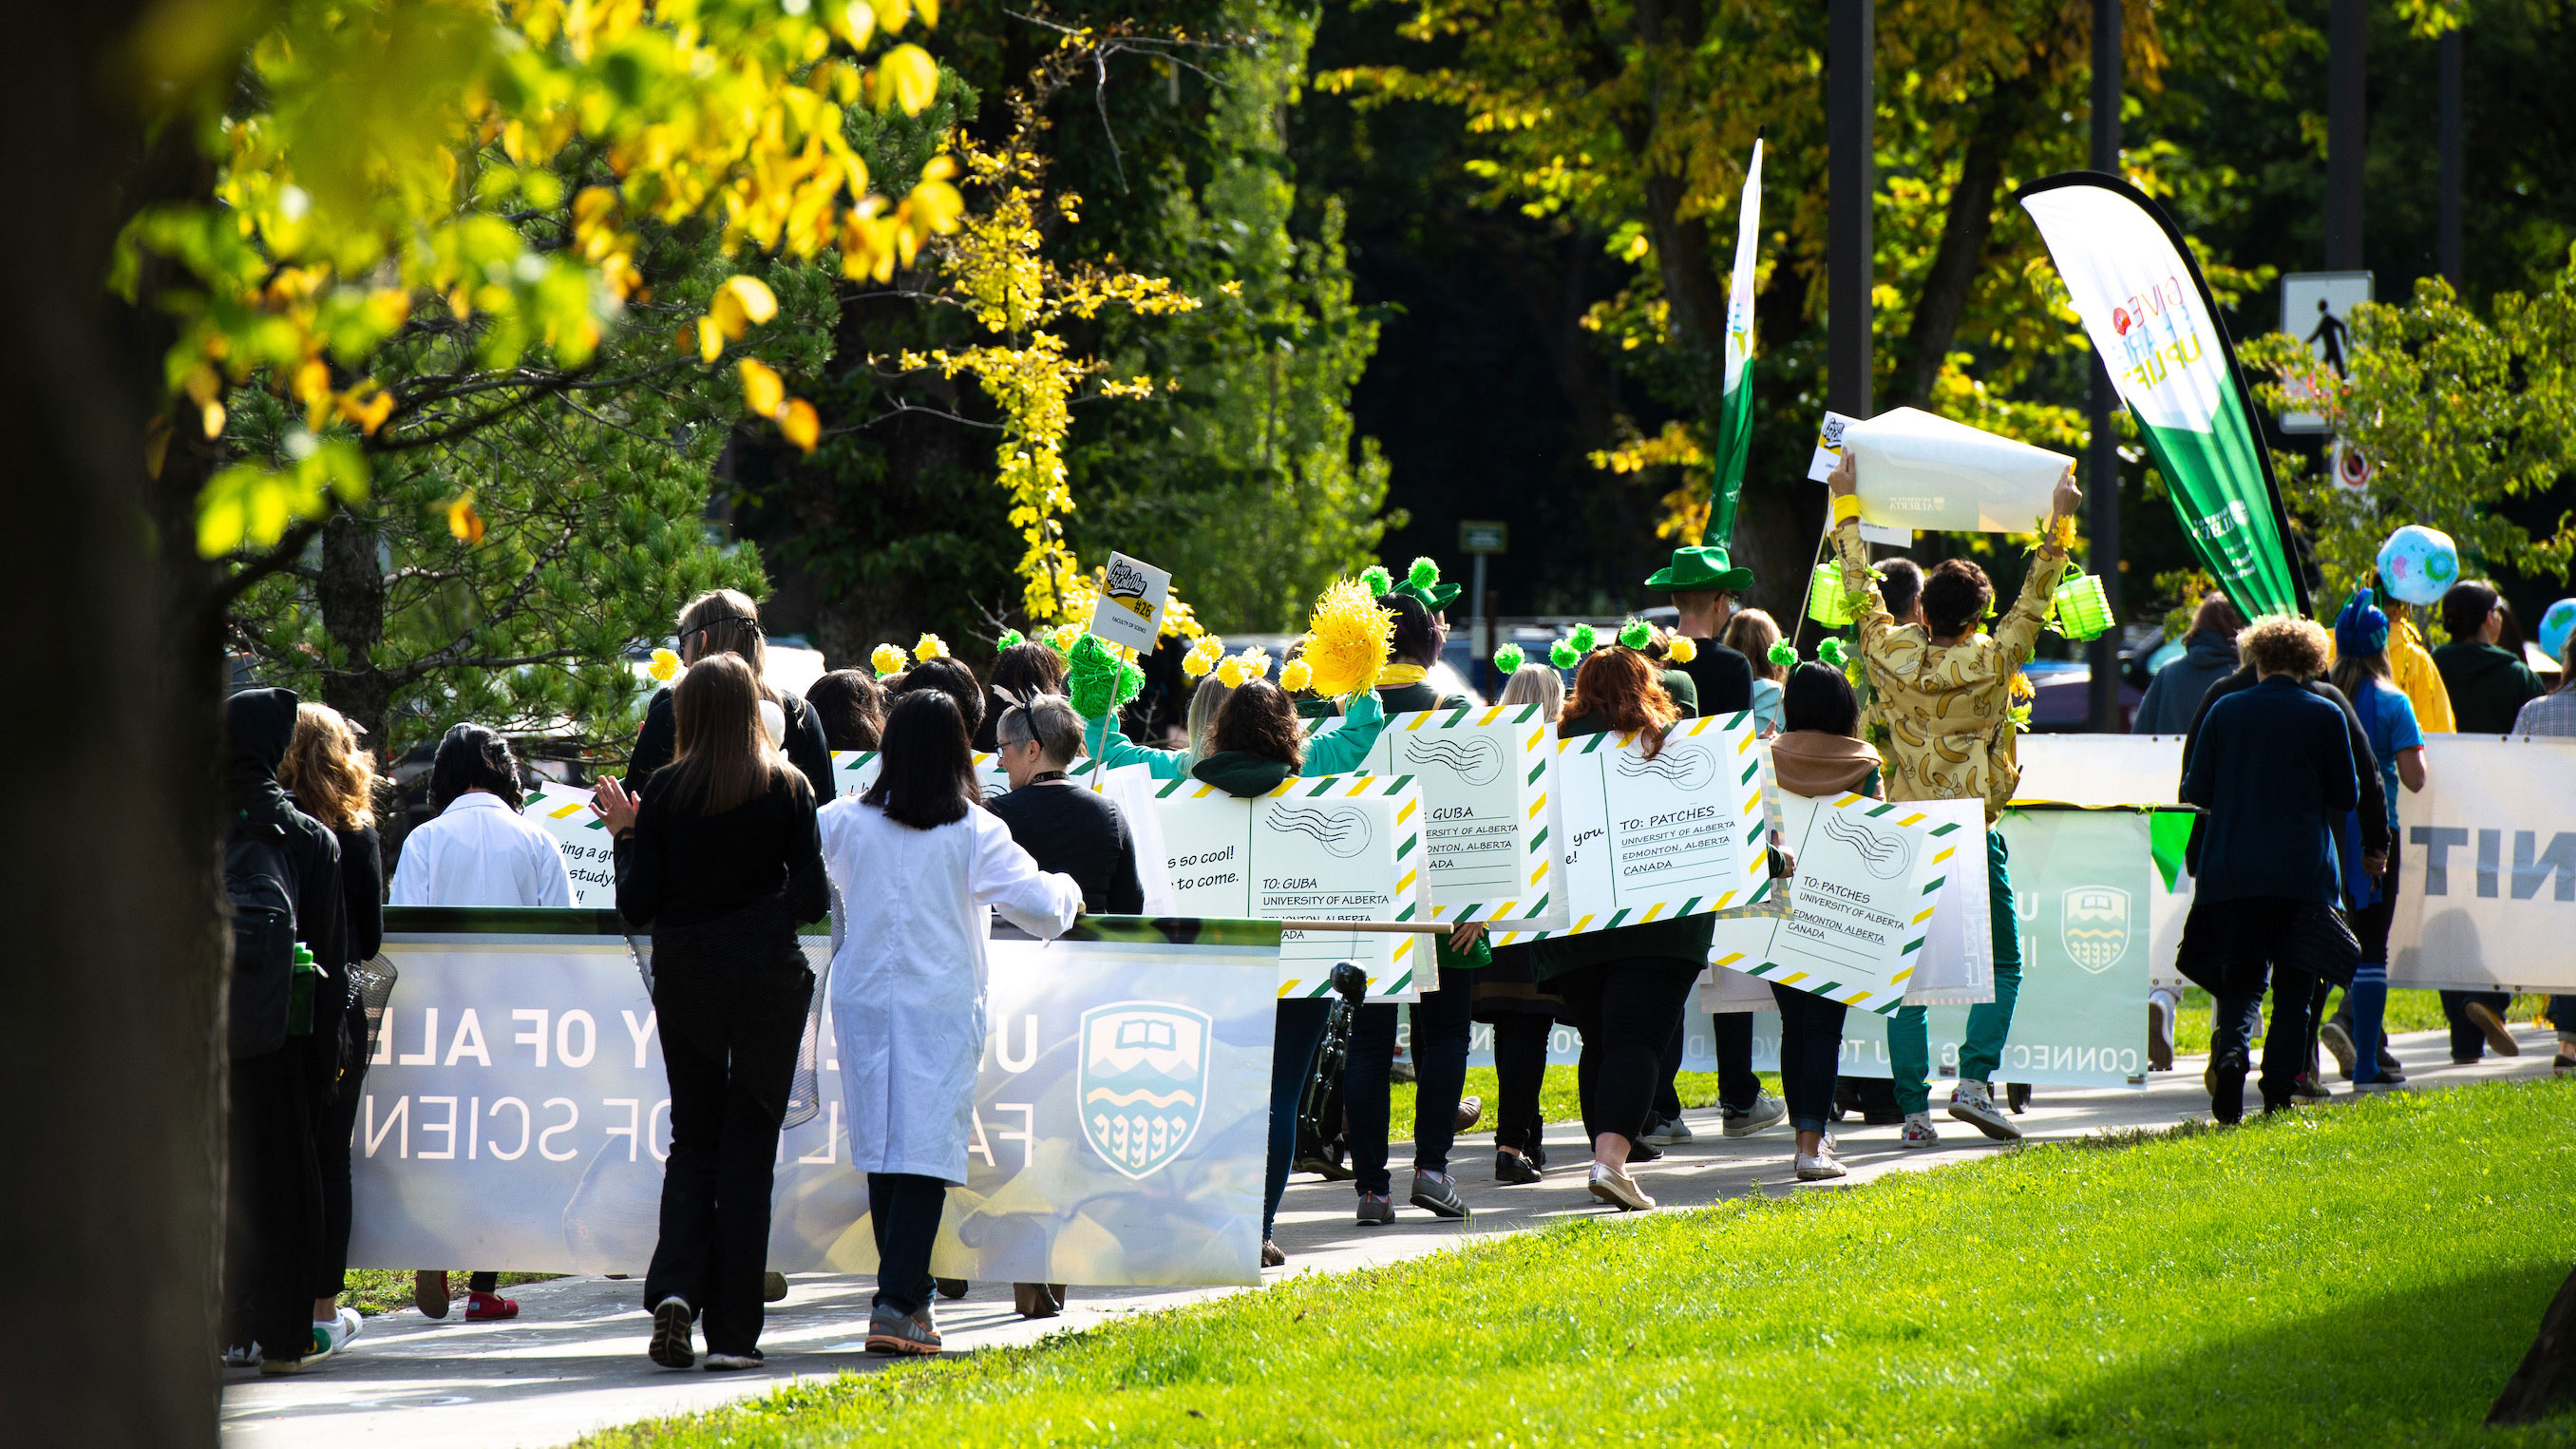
(258, 724)
(806, 747)
(1072, 831)
(680, 868)
(2374, 798)
(1411, 698)
(2276, 779)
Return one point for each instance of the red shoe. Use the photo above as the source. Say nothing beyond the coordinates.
(489, 1307)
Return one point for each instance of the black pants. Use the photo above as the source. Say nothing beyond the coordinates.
(1625, 1010)
(1520, 1067)
(1296, 1033)
(2468, 1044)
(1440, 1027)
(1731, 1036)
(730, 1066)
(1811, 1047)
(2285, 1045)
(273, 1225)
(904, 1210)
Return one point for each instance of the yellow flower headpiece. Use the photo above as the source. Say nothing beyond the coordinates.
(1244, 668)
(929, 647)
(886, 659)
(1203, 656)
(1679, 648)
(1296, 675)
(664, 665)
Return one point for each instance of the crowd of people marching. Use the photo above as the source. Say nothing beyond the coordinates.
(728, 832)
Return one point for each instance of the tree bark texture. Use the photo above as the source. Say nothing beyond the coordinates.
(108, 865)
(351, 593)
(1967, 226)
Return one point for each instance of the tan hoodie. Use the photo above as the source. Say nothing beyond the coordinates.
(1820, 765)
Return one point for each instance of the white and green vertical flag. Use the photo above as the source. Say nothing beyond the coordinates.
(2149, 314)
(1735, 405)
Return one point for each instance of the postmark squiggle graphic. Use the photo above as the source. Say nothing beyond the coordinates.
(1685, 767)
(1476, 760)
(1343, 833)
(1884, 856)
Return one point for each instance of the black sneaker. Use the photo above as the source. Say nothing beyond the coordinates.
(1643, 1151)
(2306, 1088)
(1511, 1167)
(671, 1347)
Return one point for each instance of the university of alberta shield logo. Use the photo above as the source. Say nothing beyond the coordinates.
(1143, 1082)
(2096, 928)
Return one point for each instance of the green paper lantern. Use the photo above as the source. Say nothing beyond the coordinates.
(1827, 604)
(2082, 611)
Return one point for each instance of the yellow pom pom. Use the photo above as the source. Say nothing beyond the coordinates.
(665, 664)
(1232, 674)
(1196, 665)
(1295, 676)
(1257, 659)
(1347, 638)
(887, 659)
(1680, 649)
(929, 647)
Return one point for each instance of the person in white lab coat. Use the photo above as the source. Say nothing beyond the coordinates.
(478, 851)
(917, 862)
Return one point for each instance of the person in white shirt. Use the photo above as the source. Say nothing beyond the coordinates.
(479, 851)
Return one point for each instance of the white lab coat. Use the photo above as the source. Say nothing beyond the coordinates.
(907, 985)
(480, 852)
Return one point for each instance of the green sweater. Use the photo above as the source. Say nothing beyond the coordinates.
(1342, 751)
(1677, 938)
(2487, 685)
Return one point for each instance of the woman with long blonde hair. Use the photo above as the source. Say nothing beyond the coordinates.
(332, 778)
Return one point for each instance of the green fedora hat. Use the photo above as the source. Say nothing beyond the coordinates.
(1701, 567)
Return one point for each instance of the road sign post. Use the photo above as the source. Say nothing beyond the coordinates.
(1478, 537)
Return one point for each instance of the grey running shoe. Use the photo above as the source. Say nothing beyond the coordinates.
(1670, 1132)
(1766, 1111)
(1376, 1210)
(894, 1334)
(2338, 1042)
(1436, 1193)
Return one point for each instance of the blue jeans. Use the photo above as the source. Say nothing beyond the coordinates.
(1440, 1027)
(1292, 1055)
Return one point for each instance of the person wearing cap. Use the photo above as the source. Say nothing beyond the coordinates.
(1705, 585)
(2361, 671)
(1944, 690)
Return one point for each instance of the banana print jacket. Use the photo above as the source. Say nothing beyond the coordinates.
(1948, 711)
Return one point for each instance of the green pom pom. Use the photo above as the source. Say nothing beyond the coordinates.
(1834, 653)
(1509, 659)
(1563, 654)
(1636, 634)
(1131, 683)
(1096, 679)
(1784, 654)
(1011, 639)
(1378, 581)
(1583, 638)
(1423, 574)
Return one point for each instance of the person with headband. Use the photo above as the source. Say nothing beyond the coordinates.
(1944, 690)
(2361, 671)
(726, 621)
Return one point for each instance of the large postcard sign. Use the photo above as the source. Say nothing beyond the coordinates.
(1340, 847)
(517, 1112)
(563, 812)
(1677, 834)
(1868, 874)
(1486, 777)
(853, 771)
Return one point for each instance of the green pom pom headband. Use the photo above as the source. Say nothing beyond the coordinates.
(1563, 654)
(1785, 654)
(1011, 639)
(1834, 653)
(1509, 659)
(1378, 581)
(1636, 634)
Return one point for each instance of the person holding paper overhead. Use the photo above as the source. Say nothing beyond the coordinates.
(1945, 692)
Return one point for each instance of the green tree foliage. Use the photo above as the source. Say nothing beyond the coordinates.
(528, 529)
(2462, 418)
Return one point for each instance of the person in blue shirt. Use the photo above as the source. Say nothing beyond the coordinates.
(2361, 671)
(2273, 767)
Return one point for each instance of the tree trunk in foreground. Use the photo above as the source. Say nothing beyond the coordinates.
(107, 832)
(2546, 1382)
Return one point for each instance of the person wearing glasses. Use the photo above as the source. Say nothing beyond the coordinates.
(726, 621)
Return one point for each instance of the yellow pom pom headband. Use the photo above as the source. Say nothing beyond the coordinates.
(887, 660)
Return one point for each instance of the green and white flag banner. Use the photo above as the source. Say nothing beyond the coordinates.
(1734, 441)
(2149, 313)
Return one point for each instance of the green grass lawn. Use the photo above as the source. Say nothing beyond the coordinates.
(2367, 1274)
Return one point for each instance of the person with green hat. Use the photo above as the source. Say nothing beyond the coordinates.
(1704, 584)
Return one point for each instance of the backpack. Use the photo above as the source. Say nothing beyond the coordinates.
(259, 885)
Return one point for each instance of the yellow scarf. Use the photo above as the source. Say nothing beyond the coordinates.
(1396, 676)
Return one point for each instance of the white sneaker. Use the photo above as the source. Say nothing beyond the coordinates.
(339, 1330)
(1974, 1104)
(1820, 1168)
(1766, 1111)
(1918, 1131)
(242, 1355)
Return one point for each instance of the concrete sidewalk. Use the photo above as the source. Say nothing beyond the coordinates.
(573, 1361)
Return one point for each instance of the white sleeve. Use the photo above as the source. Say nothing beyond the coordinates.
(553, 879)
(411, 871)
(1007, 878)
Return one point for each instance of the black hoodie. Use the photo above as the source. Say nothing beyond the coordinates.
(258, 724)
